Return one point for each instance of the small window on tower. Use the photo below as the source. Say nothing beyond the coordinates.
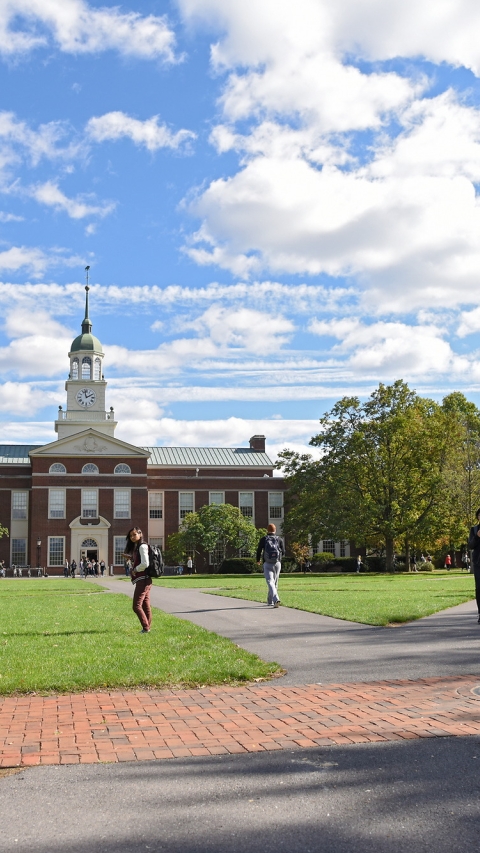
(75, 368)
(86, 368)
(97, 373)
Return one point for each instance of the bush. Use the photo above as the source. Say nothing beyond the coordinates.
(325, 558)
(239, 566)
(376, 564)
(346, 564)
(425, 567)
(289, 565)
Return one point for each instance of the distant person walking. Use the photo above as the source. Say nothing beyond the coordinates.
(102, 567)
(273, 549)
(474, 546)
(448, 562)
(73, 567)
(136, 550)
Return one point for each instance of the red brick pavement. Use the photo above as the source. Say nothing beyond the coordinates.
(154, 724)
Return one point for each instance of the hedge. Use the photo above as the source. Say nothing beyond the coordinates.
(239, 566)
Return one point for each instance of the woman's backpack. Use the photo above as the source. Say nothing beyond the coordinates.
(155, 562)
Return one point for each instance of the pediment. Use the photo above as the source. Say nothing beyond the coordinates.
(90, 443)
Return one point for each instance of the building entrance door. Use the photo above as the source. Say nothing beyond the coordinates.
(89, 550)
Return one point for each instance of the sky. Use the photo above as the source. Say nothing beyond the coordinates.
(278, 203)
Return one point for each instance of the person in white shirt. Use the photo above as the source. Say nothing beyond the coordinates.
(136, 550)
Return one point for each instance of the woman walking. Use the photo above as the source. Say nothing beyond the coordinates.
(136, 550)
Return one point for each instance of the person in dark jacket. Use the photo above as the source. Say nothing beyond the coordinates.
(273, 549)
(474, 546)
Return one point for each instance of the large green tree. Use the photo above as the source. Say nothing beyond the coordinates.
(220, 528)
(380, 472)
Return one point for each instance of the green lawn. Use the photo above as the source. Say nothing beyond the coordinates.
(370, 599)
(70, 635)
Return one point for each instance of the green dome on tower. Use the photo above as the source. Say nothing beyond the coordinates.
(86, 342)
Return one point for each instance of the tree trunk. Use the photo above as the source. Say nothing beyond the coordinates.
(407, 553)
(389, 543)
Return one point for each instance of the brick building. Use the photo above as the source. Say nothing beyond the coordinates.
(80, 494)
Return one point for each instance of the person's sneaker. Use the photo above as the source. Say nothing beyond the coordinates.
(145, 631)
(277, 604)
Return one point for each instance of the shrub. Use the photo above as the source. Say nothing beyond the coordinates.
(425, 567)
(289, 565)
(376, 564)
(325, 558)
(239, 566)
(346, 564)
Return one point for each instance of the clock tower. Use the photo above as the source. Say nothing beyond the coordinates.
(85, 386)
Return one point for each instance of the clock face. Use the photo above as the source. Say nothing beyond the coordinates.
(86, 397)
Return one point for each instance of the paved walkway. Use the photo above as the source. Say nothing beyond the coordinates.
(439, 700)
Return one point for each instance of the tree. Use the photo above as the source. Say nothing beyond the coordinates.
(380, 474)
(218, 528)
(300, 553)
(3, 531)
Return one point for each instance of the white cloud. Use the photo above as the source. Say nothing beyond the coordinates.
(35, 261)
(21, 398)
(77, 27)
(18, 138)
(228, 432)
(50, 195)
(150, 133)
(394, 349)
(10, 217)
(256, 331)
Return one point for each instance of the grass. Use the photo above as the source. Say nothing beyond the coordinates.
(69, 635)
(369, 599)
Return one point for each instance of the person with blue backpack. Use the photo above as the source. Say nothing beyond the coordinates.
(273, 549)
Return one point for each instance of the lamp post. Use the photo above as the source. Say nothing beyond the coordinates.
(39, 545)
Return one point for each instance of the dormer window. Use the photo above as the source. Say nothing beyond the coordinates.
(90, 468)
(86, 367)
(75, 368)
(57, 468)
(97, 371)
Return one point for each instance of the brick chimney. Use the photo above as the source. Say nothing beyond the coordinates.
(257, 442)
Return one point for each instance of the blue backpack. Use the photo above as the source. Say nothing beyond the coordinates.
(271, 549)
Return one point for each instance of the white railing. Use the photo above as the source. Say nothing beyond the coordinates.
(85, 416)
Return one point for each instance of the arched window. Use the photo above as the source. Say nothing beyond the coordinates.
(75, 368)
(89, 543)
(122, 469)
(90, 468)
(57, 468)
(86, 367)
(97, 371)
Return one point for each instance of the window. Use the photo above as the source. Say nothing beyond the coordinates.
(343, 548)
(75, 368)
(19, 552)
(89, 503)
(217, 556)
(86, 368)
(90, 468)
(97, 370)
(119, 543)
(56, 550)
(185, 503)
(216, 498)
(155, 504)
(245, 503)
(56, 503)
(329, 546)
(275, 504)
(89, 543)
(158, 540)
(57, 468)
(19, 504)
(122, 469)
(121, 503)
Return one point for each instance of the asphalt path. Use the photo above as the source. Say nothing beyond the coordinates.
(418, 796)
(318, 649)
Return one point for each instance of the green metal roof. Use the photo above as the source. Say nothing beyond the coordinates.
(86, 342)
(16, 454)
(208, 457)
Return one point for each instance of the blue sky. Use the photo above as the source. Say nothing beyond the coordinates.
(278, 203)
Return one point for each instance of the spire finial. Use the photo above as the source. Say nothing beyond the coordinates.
(86, 325)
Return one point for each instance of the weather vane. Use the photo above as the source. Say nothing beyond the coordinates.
(86, 270)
